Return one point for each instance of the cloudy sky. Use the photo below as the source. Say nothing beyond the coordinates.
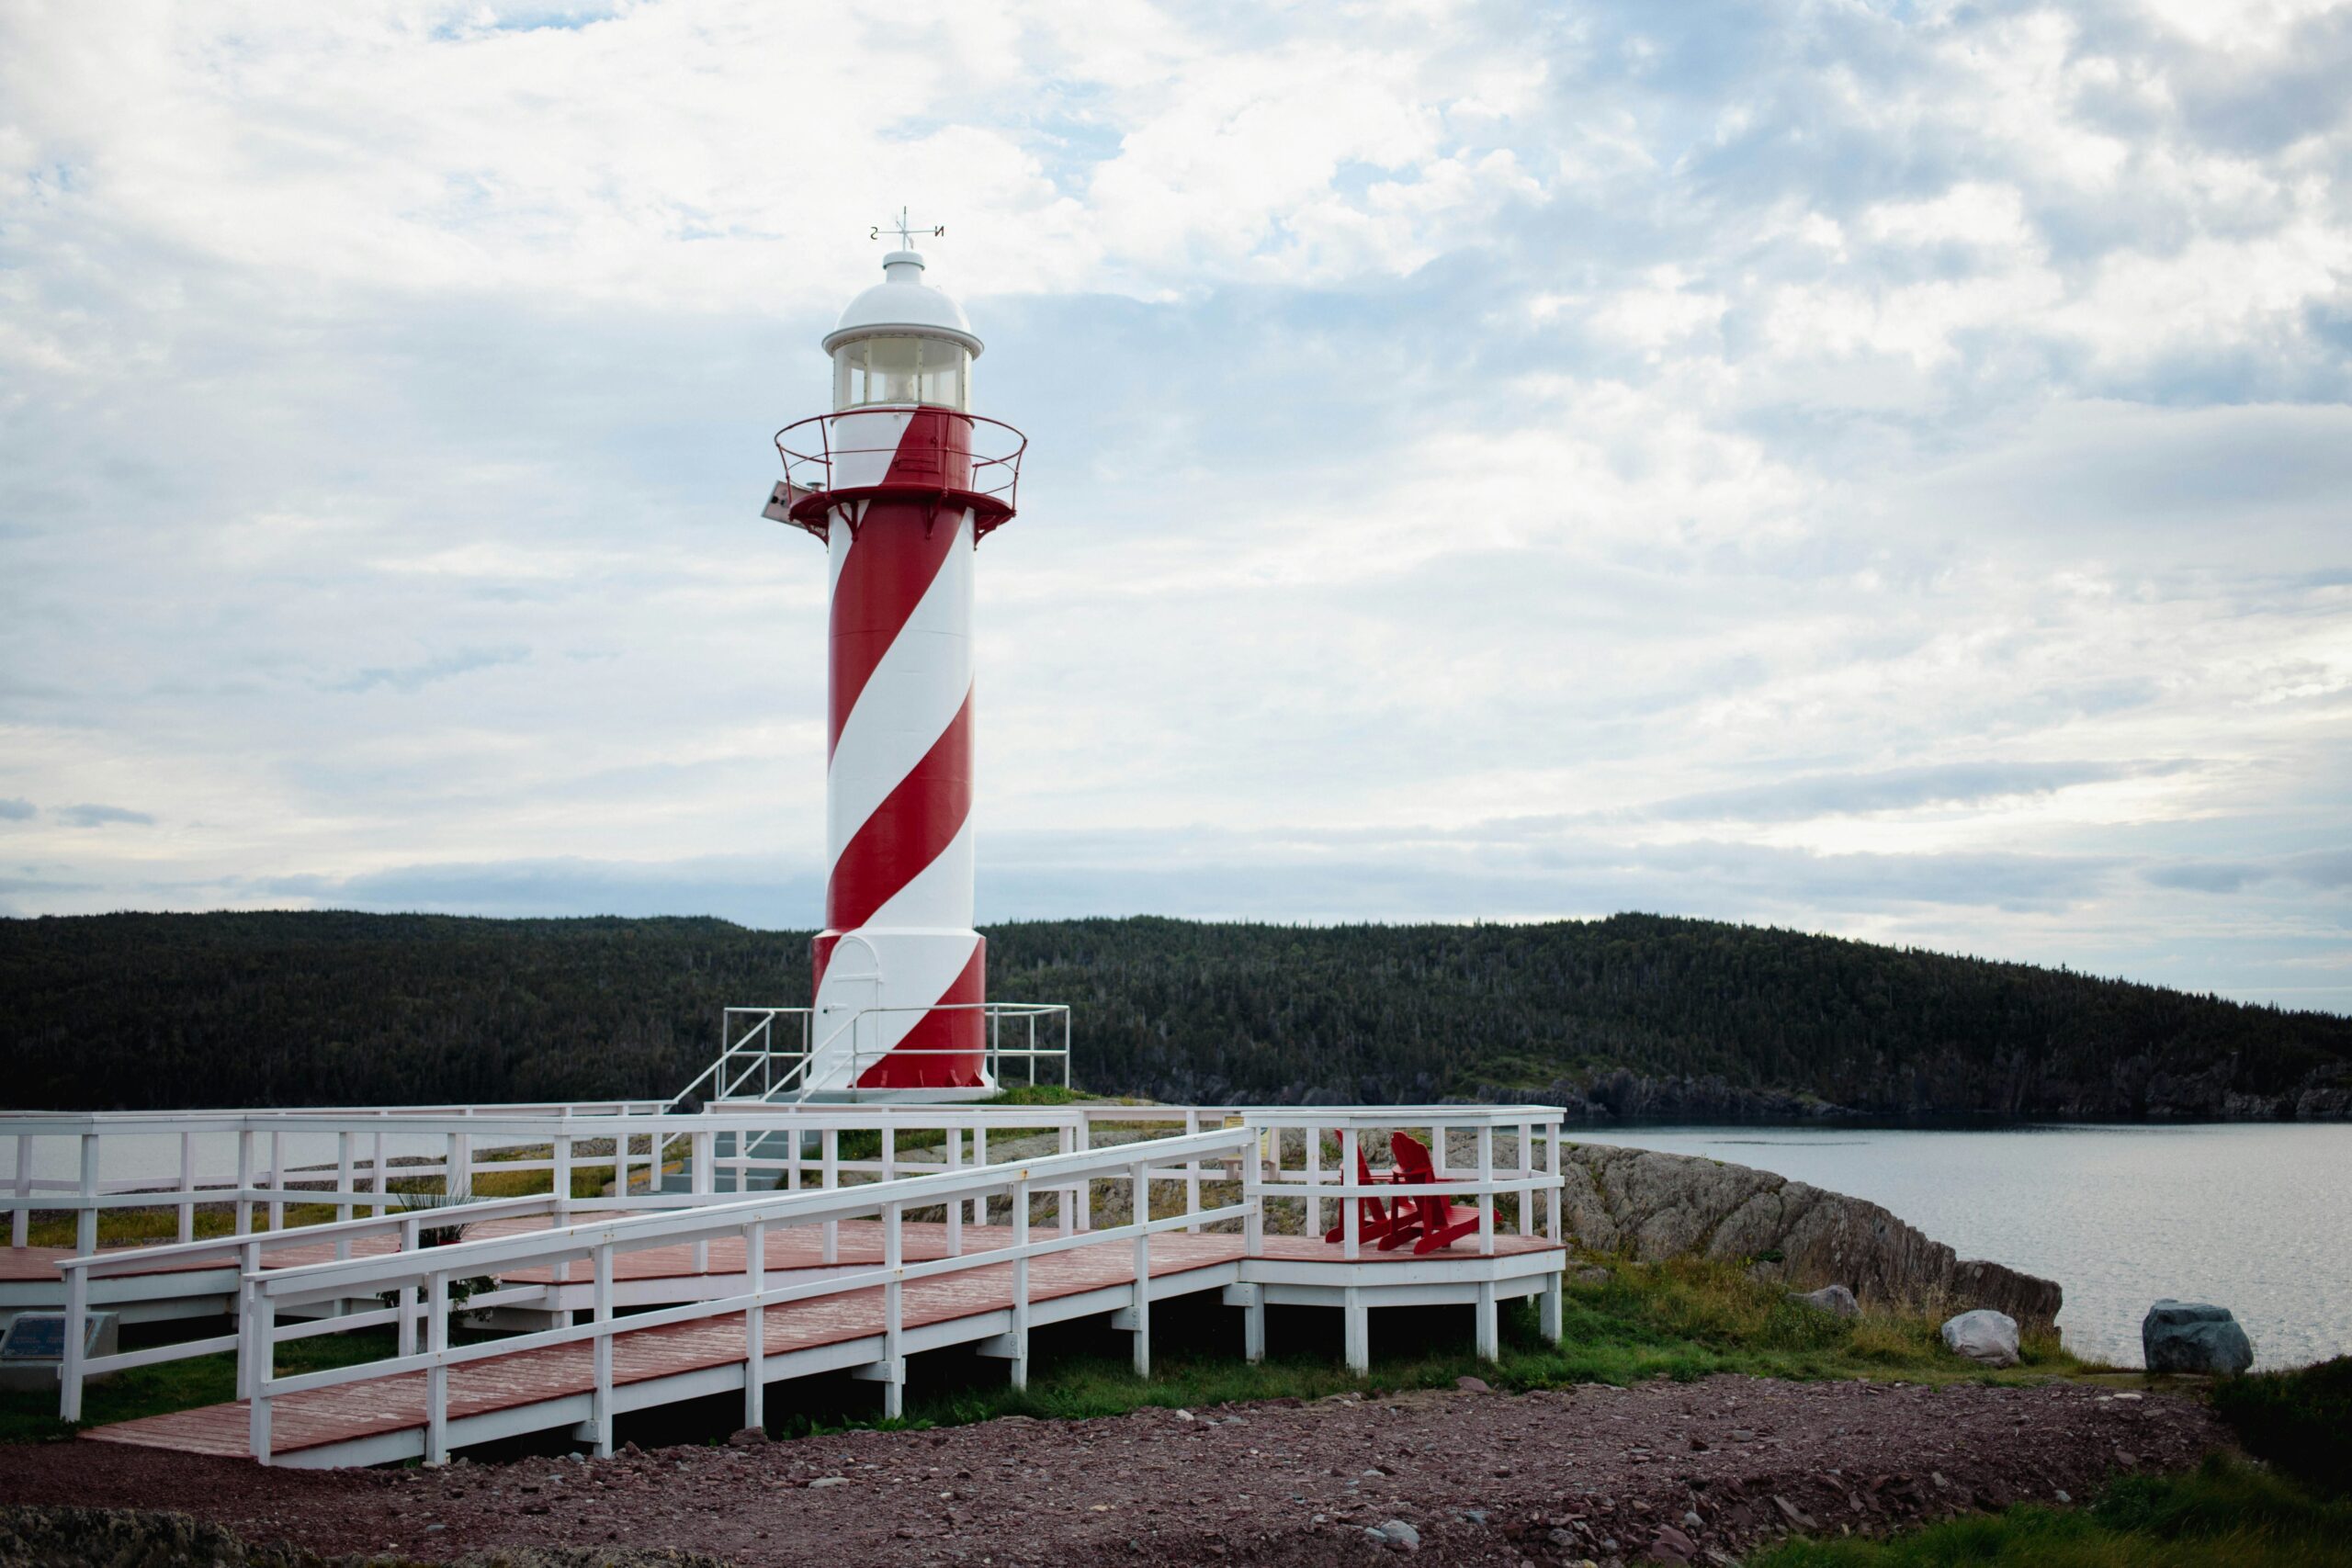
(1875, 467)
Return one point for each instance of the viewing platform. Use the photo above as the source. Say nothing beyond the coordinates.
(806, 1240)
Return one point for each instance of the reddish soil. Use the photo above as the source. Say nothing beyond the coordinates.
(1695, 1471)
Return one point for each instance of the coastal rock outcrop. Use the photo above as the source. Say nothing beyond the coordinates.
(1650, 1206)
(2194, 1336)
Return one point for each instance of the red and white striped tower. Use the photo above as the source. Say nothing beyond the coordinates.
(902, 481)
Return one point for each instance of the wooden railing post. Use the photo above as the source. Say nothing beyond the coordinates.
(276, 1174)
(830, 1147)
(436, 1376)
(702, 1147)
(248, 1288)
(600, 1409)
(980, 1158)
(343, 1178)
(1065, 1198)
(244, 1181)
(1552, 1168)
(755, 1273)
(560, 1181)
(1020, 1285)
(1253, 1242)
(1253, 1194)
(1487, 1197)
(1314, 1178)
(956, 1208)
(411, 1228)
(1350, 1209)
(77, 1329)
(263, 1338)
(85, 1222)
(1192, 1173)
(20, 1222)
(461, 1178)
(893, 1310)
(1139, 1177)
(621, 1151)
(188, 1186)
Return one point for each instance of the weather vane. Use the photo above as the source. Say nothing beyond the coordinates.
(905, 232)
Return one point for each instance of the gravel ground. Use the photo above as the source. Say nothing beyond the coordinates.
(1673, 1471)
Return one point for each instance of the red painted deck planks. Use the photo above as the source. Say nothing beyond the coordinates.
(322, 1416)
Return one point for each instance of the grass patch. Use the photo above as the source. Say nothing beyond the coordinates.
(1691, 1317)
(2226, 1515)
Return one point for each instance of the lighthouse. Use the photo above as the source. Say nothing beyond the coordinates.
(901, 482)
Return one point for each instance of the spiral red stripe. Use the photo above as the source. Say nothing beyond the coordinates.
(914, 823)
(888, 570)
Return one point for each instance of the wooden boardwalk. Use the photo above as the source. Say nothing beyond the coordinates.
(326, 1417)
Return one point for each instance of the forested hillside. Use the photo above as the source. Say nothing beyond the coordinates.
(1635, 1015)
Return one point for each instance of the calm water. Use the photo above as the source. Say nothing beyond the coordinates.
(2256, 1217)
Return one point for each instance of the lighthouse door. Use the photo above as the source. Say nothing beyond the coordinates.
(850, 1027)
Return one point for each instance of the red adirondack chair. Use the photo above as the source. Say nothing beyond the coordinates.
(1432, 1222)
(1376, 1217)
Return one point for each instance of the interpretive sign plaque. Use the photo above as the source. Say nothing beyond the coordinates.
(37, 1336)
(34, 1347)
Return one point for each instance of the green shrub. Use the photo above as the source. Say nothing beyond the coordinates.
(2300, 1420)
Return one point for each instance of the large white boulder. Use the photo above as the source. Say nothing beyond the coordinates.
(1988, 1337)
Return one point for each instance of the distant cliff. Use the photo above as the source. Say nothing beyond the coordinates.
(1635, 1016)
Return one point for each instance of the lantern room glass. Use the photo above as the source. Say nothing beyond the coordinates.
(901, 370)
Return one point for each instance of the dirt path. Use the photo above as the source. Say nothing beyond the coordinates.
(1696, 1472)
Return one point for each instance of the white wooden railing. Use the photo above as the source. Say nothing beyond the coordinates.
(248, 1255)
(261, 1170)
(428, 1273)
(1283, 1166)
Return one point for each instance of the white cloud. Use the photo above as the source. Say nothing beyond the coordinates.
(1457, 440)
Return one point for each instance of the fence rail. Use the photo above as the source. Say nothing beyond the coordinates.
(1276, 1154)
(767, 1052)
(430, 1272)
(260, 1169)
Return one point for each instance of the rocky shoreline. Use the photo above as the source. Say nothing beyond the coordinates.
(1696, 1473)
(1649, 1206)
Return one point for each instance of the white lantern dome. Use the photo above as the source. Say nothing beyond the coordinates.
(902, 343)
